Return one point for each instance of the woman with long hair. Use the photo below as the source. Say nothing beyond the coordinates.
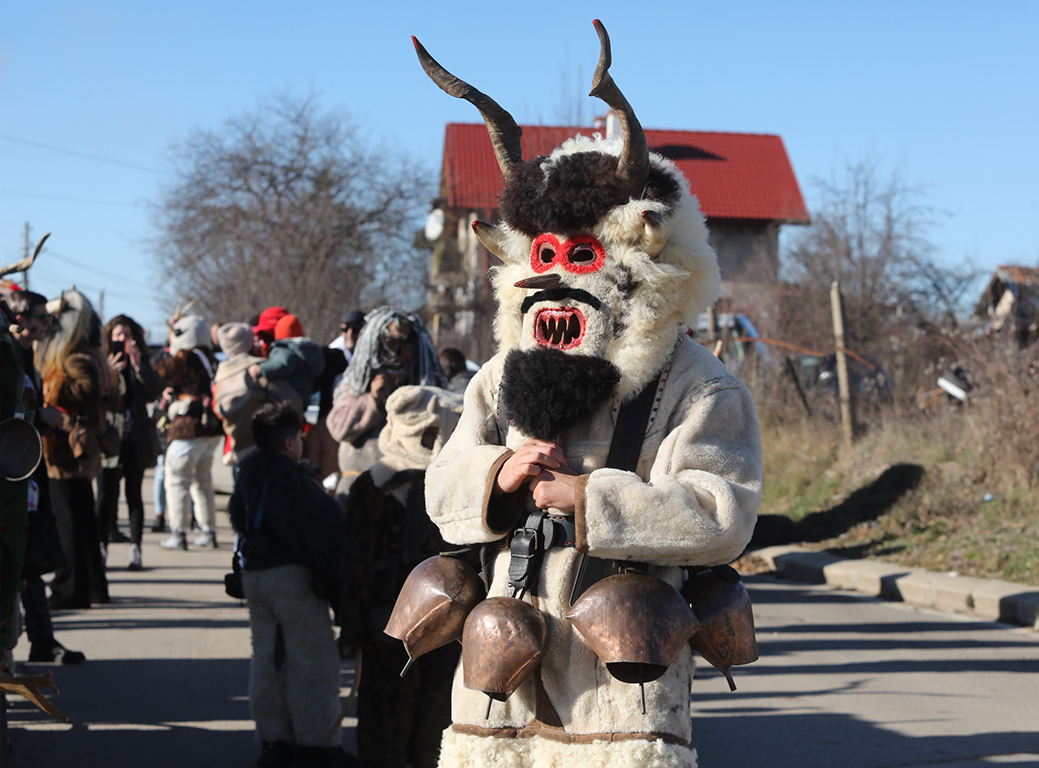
(76, 381)
(134, 385)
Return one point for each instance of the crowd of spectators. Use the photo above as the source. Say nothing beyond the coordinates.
(301, 423)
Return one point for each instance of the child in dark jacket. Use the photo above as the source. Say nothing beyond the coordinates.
(292, 358)
(291, 551)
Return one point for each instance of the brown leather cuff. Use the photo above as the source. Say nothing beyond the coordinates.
(580, 511)
(501, 514)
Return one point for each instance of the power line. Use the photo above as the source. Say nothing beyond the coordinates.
(67, 199)
(98, 270)
(74, 153)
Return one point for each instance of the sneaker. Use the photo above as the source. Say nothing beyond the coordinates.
(133, 561)
(206, 539)
(178, 540)
(54, 652)
(159, 526)
(276, 754)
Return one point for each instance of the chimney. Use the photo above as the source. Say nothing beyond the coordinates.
(613, 126)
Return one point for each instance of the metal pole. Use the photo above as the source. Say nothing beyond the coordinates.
(843, 384)
(25, 255)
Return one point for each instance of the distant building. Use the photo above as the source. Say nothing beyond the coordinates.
(1010, 303)
(744, 182)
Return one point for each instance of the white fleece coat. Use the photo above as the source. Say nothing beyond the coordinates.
(692, 501)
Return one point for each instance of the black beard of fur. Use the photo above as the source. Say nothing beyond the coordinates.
(545, 391)
(579, 191)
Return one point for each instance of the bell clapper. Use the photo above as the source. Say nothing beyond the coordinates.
(642, 689)
(490, 700)
(406, 667)
(728, 676)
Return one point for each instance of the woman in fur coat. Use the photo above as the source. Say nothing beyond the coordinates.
(76, 381)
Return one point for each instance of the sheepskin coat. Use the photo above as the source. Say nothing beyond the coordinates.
(692, 501)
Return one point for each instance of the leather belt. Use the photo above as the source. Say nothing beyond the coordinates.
(540, 532)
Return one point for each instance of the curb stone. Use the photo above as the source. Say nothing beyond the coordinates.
(990, 599)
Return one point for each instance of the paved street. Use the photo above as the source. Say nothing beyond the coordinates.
(843, 680)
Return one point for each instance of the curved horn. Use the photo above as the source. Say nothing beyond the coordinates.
(655, 232)
(491, 237)
(633, 166)
(505, 133)
(24, 264)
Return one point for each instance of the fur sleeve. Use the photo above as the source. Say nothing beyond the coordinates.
(458, 479)
(700, 502)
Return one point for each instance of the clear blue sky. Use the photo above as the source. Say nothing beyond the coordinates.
(943, 92)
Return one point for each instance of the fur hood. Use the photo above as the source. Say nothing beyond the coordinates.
(643, 300)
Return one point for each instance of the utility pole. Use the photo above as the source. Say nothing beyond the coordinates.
(101, 305)
(25, 255)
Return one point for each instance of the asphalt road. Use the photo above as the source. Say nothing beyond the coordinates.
(843, 680)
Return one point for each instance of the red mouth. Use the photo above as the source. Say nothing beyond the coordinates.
(559, 327)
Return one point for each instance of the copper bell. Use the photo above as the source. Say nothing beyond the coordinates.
(432, 605)
(636, 624)
(502, 645)
(723, 607)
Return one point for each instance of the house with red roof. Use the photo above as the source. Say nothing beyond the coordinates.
(744, 182)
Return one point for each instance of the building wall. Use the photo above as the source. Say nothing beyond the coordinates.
(748, 251)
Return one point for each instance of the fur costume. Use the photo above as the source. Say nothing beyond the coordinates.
(606, 256)
(399, 719)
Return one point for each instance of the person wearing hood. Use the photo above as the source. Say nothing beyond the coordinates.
(292, 358)
(237, 395)
(193, 436)
(399, 719)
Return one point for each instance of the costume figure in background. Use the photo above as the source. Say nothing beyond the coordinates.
(77, 382)
(393, 349)
(456, 369)
(134, 385)
(290, 550)
(606, 260)
(399, 720)
(43, 552)
(194, 434)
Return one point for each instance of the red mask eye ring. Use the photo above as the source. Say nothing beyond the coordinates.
(544, 247)
(584, 254)
(579, 255)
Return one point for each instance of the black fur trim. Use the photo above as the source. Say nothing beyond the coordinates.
(579, 190)
(558, 294)
(545, 391)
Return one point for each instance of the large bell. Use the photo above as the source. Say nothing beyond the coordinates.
(502, 645)
(20, 449)
(433, 604)
(723, 607)
(636, 624)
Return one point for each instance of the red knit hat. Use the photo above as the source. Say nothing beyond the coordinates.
(269, 319)
(288, 327)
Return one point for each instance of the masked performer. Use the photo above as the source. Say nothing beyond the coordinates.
(605, 260)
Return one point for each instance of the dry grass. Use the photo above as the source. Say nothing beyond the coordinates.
(976, 508)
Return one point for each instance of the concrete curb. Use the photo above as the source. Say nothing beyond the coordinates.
(984, 598)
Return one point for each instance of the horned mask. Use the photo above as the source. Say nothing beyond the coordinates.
(605, 250)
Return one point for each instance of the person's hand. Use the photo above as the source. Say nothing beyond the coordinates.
(527, 462)
(383, 385)
(555, 488)
(254, 370)
(133, 352)
(117, 362)
(52, 417)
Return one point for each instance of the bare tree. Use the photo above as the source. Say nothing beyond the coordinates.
(872, 234)
(286, 206)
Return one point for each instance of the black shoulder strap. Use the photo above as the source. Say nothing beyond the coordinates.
(625, 448)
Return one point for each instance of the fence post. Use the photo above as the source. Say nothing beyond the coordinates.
(843, 384)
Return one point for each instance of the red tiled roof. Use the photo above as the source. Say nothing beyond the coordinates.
(734, 175)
